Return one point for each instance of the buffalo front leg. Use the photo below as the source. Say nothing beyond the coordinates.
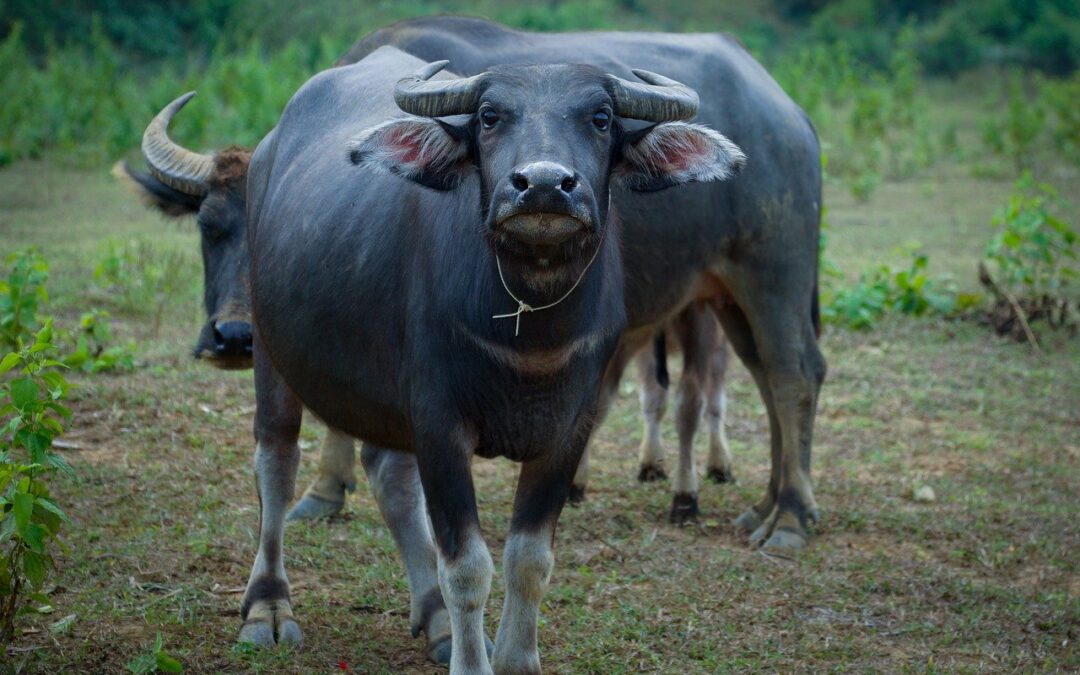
(395, 482)
(653, 397)
(465, 568)
(266, 609)
(528, 560)
(325, 497)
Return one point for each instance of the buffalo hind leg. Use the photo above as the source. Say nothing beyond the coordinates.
(788, 368)
(719, 466)
(266, 609)
(653, 405)
(528, 560)
(694, 336)
(325, 497)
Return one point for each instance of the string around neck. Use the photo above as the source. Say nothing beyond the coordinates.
(524, 307)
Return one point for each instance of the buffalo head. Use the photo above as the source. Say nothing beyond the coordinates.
(212, 187)
(546, 141)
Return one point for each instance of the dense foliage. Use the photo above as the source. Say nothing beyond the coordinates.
(31, 416)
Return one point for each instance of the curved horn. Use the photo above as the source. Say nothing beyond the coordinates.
(417, 95)
(658, 100)
(172, 164)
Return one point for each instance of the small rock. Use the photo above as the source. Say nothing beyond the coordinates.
(923, 493)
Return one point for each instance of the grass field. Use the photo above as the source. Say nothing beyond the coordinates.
(985, 578)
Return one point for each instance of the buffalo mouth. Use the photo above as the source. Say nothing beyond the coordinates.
(224, 362)
(542, 229)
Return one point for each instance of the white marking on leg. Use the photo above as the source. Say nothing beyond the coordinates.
(653, 399)
(275, 483)
(395, 483)
(276, 477)
(719, 450)
(527, 564)
(336, 467)
(465, 583)
(689, 404)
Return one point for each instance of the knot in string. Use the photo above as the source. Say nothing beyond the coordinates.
(524, 307)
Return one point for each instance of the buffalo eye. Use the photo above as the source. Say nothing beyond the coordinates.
(602, 120)
(488, 117)
(211, 230)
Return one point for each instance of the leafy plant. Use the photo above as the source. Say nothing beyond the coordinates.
(155, 661)
(94, 351)
(907, 290)
(31, 416)
(21, 295)
(1034, 251)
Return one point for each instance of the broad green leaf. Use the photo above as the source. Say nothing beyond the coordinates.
(9, 362)
(23, 508)
(24, 392)
(52, 507)
(34, 567)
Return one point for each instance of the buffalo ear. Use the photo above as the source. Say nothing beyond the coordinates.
(674, 153)
(156, 194)
(424, 150)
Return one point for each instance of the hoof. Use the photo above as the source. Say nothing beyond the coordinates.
(784, 543)
(650, 473)
(577, 494)
(440, 651)
(311, 507)
(749, 521)
(684, 508)
(270, 626)
(718, 475)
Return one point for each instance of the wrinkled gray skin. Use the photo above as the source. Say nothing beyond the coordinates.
(747, 249)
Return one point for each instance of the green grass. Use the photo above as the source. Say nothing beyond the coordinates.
(985, 578)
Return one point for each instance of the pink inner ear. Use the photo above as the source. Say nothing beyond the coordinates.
(682, 152)
(406, 143)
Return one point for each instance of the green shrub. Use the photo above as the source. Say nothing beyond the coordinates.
(94, 351)
(31, 415)
(1034, 250)
(906, 290)
(22, 295)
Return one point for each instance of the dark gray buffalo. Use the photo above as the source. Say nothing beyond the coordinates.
(450, 288)
(748, 249)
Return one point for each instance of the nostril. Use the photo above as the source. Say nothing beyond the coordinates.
(520, 182)
(219, 339)
(568, 184)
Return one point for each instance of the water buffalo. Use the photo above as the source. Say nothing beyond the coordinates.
(748, 249)
(451, 288)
